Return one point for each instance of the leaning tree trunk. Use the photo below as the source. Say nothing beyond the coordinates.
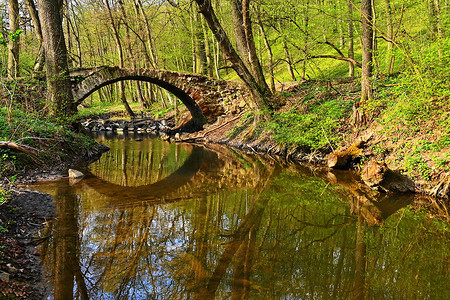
(253, 55)
(13, 44)
(261, 94)
(59, 91)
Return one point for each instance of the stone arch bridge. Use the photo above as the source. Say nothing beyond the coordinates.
(204, 97)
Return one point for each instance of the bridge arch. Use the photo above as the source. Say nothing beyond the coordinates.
(198, 93)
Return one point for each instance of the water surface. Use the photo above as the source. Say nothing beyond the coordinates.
(154, 220)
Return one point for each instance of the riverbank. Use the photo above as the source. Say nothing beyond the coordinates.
(23, 213)
(400, 147)
(316, 120)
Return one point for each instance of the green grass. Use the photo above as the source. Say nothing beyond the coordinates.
(314, 127)
(50, 140)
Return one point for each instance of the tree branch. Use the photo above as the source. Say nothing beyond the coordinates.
(350, 60)
(18, 148)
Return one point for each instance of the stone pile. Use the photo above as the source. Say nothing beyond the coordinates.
(143, 125)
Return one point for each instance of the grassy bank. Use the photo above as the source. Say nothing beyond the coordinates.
(48, 144)
(408, 119)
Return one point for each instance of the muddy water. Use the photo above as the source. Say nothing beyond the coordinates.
(154, 220)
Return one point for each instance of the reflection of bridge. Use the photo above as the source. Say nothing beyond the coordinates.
(201, 95)
(202, 173)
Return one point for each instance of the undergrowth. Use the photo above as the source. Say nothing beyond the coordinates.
(50, 141)
(415, 117)
(313, 124)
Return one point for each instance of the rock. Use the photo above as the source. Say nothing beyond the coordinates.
(4, 276)
(379, 177)
(177, 136)
(75, 174)
(11, 269)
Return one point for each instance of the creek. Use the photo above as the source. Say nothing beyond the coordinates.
(158, 220)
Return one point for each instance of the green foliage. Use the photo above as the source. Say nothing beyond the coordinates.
(52, 139)
(416, 163)
(5, 195)
(11, 37)
(313, 127)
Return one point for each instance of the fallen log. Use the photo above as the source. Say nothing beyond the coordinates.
(18, 148)
(342, 159)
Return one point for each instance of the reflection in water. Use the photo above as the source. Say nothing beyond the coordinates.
(155, 220)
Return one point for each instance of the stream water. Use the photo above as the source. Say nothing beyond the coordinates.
(155, 220)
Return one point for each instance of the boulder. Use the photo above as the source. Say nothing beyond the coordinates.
(379, 177)
(75, 174)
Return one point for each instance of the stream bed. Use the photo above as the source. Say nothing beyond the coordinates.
(158, 220)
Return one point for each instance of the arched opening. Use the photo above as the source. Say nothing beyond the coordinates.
(85, 89)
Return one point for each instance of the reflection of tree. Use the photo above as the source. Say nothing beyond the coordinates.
(246, 231)
(65, 247)
(242, 242)
(373, 206)
(360, 261)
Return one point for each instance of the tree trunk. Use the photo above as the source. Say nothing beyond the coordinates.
(289, 60)
(199, 43)
(261, 94)
(40, 60)
(390, 35)
(438, 34)
(131, 56)
(208, 53)
(14, 43)
(121, 64)
(151, 48)
(351, 53)
(253, 55)
(59, 91)
(367, 45)
(375, 59)
(306, 37)
(239, 32)
(269, 51)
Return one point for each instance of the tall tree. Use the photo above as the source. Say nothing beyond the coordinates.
(367, 49)
(14, 42)
(390, 36)
(115, 29)
(239, 32)
(260, 90)
(59, 92)
(40, 60)
(351, 54)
